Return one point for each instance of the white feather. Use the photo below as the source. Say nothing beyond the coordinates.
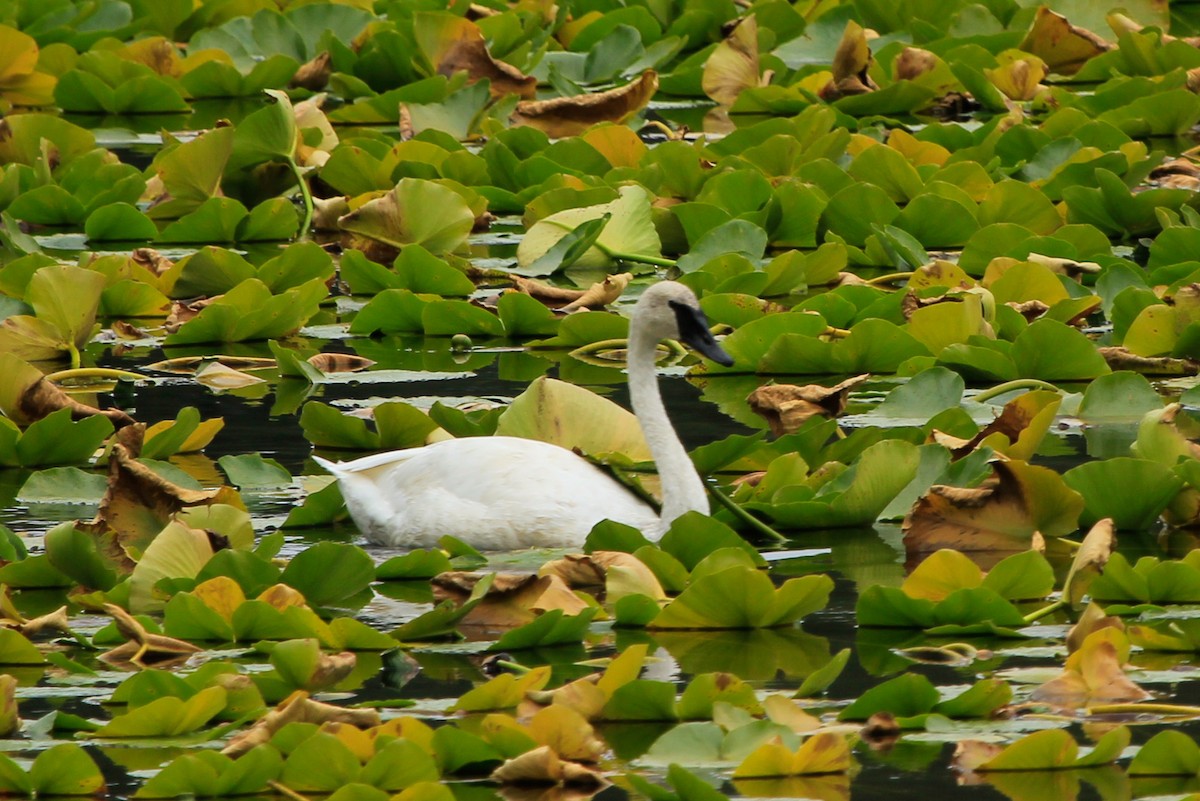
(505, 493)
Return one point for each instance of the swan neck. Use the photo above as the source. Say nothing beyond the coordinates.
(682, 489)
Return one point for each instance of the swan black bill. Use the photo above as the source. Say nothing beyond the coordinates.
(693, 330)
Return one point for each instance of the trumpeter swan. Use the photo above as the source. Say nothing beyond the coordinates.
(504, 493)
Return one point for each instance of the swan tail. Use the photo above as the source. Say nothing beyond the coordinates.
(334, 468)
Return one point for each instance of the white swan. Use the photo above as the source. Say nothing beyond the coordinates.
(505, 493)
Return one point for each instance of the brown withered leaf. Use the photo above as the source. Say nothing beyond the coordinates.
(733, 65)
(330, 669)
(1064, 47)
(124, 330)
(339, 362)
(187, 365)
(1090, 559)
(880, 731)
(851, 62)
(152, 260)
(464, 49)
(597, 296)
(970, 754)
(314, 74)
(1120, 23)
(1016, 420)
(542, 766)
(297, 708)
(143, 649)
(912, 63)
(786, 407)
(570, 116)
(597, 570)
(1092, 619)
(1124, 359)
(1029, 309)
(42, 397)
(513, 599)
(184, 311)
(138, 502)
(997, 516)
(1068, 267)
(1093, 675)
(327, 211)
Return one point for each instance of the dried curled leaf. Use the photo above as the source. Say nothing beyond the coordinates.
(1001, 514)
(1090, 559)
(1064, 47)
(26, 396)
(571, 116)
(543, 766)
(463, 48)
(851, 62)
(1124, 359)
(142, 648)
(513, 599)
(597, 296)
(1093, 675)
(1093, 619)
(298, 708)
(787, 406)
(733, 65)
(314, 74)
(139, 503)
(339, 362)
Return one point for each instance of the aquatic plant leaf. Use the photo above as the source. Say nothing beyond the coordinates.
(630, 230)
(553, 627)
(178, 551)
(741, 597)
(168, 716)
(569, 116)
(119, 222)
(904, 696)
(403, 217)
(190, 173)
(322, 763)
(822, 753)
(65, 769)
(1132, 492)
(1167, 753)
(16, 649)
(329, 572)
(550, 410)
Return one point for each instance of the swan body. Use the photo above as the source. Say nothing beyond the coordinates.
(506, 493)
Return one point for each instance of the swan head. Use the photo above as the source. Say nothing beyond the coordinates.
(669, 310)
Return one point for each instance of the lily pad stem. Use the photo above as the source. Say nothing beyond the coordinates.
(1161, 709)
(306, 194)
(1009, 386)
(1038, 614)
(890, 278)
(835, 333)
(744, 516)
(105, 373)
(674, 348)
(639, 258)
(74, 354)
(285, 791)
